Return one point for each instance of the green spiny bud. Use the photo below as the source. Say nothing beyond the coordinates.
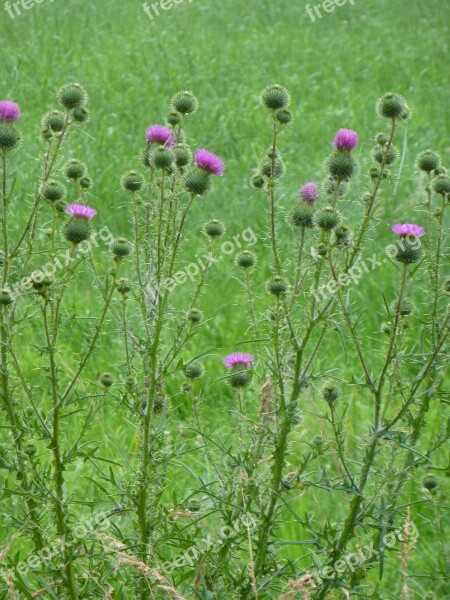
(40, 281)
(379, 155)
(121, 247)
(327, 218)
(428, 161)
(86, 183)
(382, 139)
(77, 230)
(60, 206)
(257, 181)
(214, 229)
(106, 379)
(46, 134)
(332, 186)
(374, 172)
(9, 137)
(5, 297)
(321, 249)
(54, 120)
(72, 95)
(342, 236)
(183, 155)
(279, 168)
(408, 253)
(283, 116)
(123, 286)
(194, 370)
(195, 316)
(52, 190)
(240, 377)
(81, 114)
(132, 181)
(405, 308)
(430, 483)
(392, 106)
(275, 97)
(245, 259)
(197, 182)
(441, 185)
(330, 393)
(302, 216)
(341, 165)
(75, 169)
(162, 158)
(277, 286)
(440, 171)
(185, 103)
(174, 118)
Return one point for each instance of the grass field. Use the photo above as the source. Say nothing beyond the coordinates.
(226, 52)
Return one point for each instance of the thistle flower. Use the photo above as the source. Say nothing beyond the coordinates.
(308, 193)
(408, 229)
(209, 162)
(9, 111)
(346, 139)
(159, 134)
(81, 211)
(238, 359)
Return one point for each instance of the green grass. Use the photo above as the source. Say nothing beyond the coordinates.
(226, 52)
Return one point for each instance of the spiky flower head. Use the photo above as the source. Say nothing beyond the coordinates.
(195, 316)
(197, 182)
(302, 216)
(309, 193)
(86, 182)
(408, 229)
(283, 116)
(239, 359)
(382, 139)
(393, 106)
(245, 259)
(330, 393)
(54, 120)
(162, 157)
(174, 118)
(341, 165)
(214, 229)
(123, 286)
(342, 236)
(194, 370)
(121, 247)
(240, 365)
(345, 140)
(81, 211)
(388, 157)
(209, 162)
(5, 297)
(52, 190)
(132, 181)
(403, 308)
(77, 230)
(257, 180)
(275, 97)
(327, 218)
(75, 169)
(72, 95)
(441, 185)
(183, 155)
(9, 137)
(9, 111)
(158, 134)
(428, 161)
(81, 114)
(277, 286)
(273, 169)
(106, 379)
(184, 102)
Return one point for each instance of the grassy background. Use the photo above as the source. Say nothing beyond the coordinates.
(226, 52)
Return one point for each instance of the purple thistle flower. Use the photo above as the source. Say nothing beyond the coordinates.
(160, 135)
(308, 193)
(81, 211)
(345, 139)
(237, 359)
(9, 111)
(408, 229)
(210, 162)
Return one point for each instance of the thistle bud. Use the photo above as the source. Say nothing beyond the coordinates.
(86, 183)
(132, 181)
(392, 106)
(245, 259)
(174, 118)
(441, 185)
(75, 169)
(275, 97)
(408, 253)
(342, 236)
(379, 155)
(72, 95)
(81, 114)
(277, 286)
(321, 249)
(77, 230)
(183, 155)
(239, 377)
(382, 139)
(332, 186)
(184, 103)
(195, 316)
(214, 229)
(9, 137)
(60, 206)
(5, 297)
(121, 248)
(403, 308)
(40, 281)
(278, 166)
(162, 158)
(54, 120)
(197, 182)
(430, 483)
(428, 161)
(106, 379)
(194, 370)
(257, 180)
(123, 286)
(283, 116)
(341, 165)
(330, 393)
(52, 190)
(327, 218)
(302, 216)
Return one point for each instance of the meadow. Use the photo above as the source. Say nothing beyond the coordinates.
(335, 68)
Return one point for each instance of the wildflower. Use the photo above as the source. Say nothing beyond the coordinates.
(238, 359)
(9, 111)
(308, 193)
(209, 162)
(408, 229)
(346, 139)
(81, 211)
(160, 135)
